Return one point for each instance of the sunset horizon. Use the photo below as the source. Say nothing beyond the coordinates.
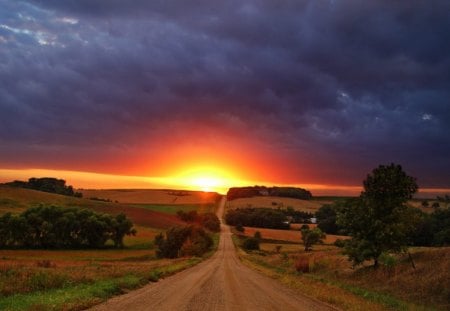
(207, 180)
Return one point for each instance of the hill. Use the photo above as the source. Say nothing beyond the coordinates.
(143, 196)
(16, 200)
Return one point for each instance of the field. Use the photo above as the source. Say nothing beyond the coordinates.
(76, 279)
(330, 277)
(293, 236)
(277, 202)
(143, 196)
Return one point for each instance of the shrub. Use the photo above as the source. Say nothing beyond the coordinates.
(239, 228)
(302, 264)
(250, 244)
(183, 241)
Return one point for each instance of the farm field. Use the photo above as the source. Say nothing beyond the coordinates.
(293, 236)
(77, 279)
(278, 202)
(143, 196)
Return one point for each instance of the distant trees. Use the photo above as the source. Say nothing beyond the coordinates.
(311, 237)
(209, 221)
(247, 192)
(378, 221)
(432, 229)
(257, 217)
(51, 227)
(46, 184)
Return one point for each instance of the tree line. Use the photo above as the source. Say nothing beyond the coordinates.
(257, 217)
(46, 184)
(53, 227)
(288, 192)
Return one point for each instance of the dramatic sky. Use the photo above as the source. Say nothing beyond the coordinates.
(292, 92)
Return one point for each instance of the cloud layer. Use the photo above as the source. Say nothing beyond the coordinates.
(314, 91)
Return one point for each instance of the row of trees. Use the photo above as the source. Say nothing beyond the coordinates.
(53, 227)
(257, 217)
(46, 184)
(288, 192)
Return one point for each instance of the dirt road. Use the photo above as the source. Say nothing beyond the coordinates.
(219, 283)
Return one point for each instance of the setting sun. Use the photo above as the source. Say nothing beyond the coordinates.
(206, 179)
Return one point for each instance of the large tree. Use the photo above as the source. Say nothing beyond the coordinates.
(378, 221)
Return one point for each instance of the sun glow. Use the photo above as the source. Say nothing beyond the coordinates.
(206, 179)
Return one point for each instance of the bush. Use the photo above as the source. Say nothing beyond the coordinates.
(211, 222)
(239, 228)
(302, 264)
(250, 244)
(183, 241)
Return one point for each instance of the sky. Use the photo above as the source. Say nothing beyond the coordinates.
(301, 92)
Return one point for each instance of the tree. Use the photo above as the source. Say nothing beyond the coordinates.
(251, 244)
(326, 217)
(378, 221)
(311, 237)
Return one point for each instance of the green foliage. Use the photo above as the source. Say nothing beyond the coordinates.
(183, 241)
(250, 244)
(326, 217)
(46, 184)
(298, 217)
(257, 217)
(57, 227)
(210, 221)
(379, 220)
(248, 192)
(190, 216)
(433, 229)
(311, 237)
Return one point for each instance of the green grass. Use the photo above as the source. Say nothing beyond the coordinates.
(72, 297)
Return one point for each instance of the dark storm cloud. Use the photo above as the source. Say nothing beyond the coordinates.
(338, 84)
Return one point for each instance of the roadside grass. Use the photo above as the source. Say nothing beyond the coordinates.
(76, 285)
(331, 279)
(79, 296)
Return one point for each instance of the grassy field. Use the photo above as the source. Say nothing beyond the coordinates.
(332, 279)
(77, 279)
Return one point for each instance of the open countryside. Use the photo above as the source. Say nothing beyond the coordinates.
(225, 278)
(239, 155)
